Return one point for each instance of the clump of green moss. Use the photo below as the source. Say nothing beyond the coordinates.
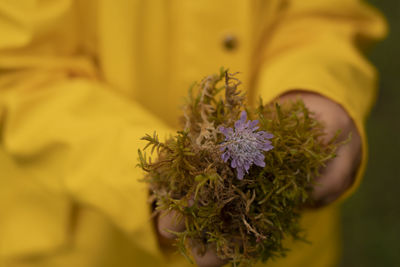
(246, 219)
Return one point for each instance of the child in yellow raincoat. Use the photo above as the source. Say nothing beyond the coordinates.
(82, 81)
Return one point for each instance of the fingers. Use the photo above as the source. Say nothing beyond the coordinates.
(169, 221)
(209, 259)
(340, 172)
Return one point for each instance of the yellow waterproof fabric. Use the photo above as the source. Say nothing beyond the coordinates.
(82, 81)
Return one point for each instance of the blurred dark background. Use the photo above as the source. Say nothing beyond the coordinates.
(371, 217)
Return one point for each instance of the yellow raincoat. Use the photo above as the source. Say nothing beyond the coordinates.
(81, 81)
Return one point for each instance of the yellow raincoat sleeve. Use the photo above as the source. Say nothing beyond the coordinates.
(66, 136)
(316, 45)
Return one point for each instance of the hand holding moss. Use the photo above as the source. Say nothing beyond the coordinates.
(340, 172)
(238, 178)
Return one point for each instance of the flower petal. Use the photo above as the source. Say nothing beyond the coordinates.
(244, 145)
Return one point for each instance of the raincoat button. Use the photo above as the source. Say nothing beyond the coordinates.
(230, 42)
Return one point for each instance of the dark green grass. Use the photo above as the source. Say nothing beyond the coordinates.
(371, 218)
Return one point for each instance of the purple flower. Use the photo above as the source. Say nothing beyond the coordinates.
(244, 145)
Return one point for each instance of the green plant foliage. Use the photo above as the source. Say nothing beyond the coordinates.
(246, 220)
